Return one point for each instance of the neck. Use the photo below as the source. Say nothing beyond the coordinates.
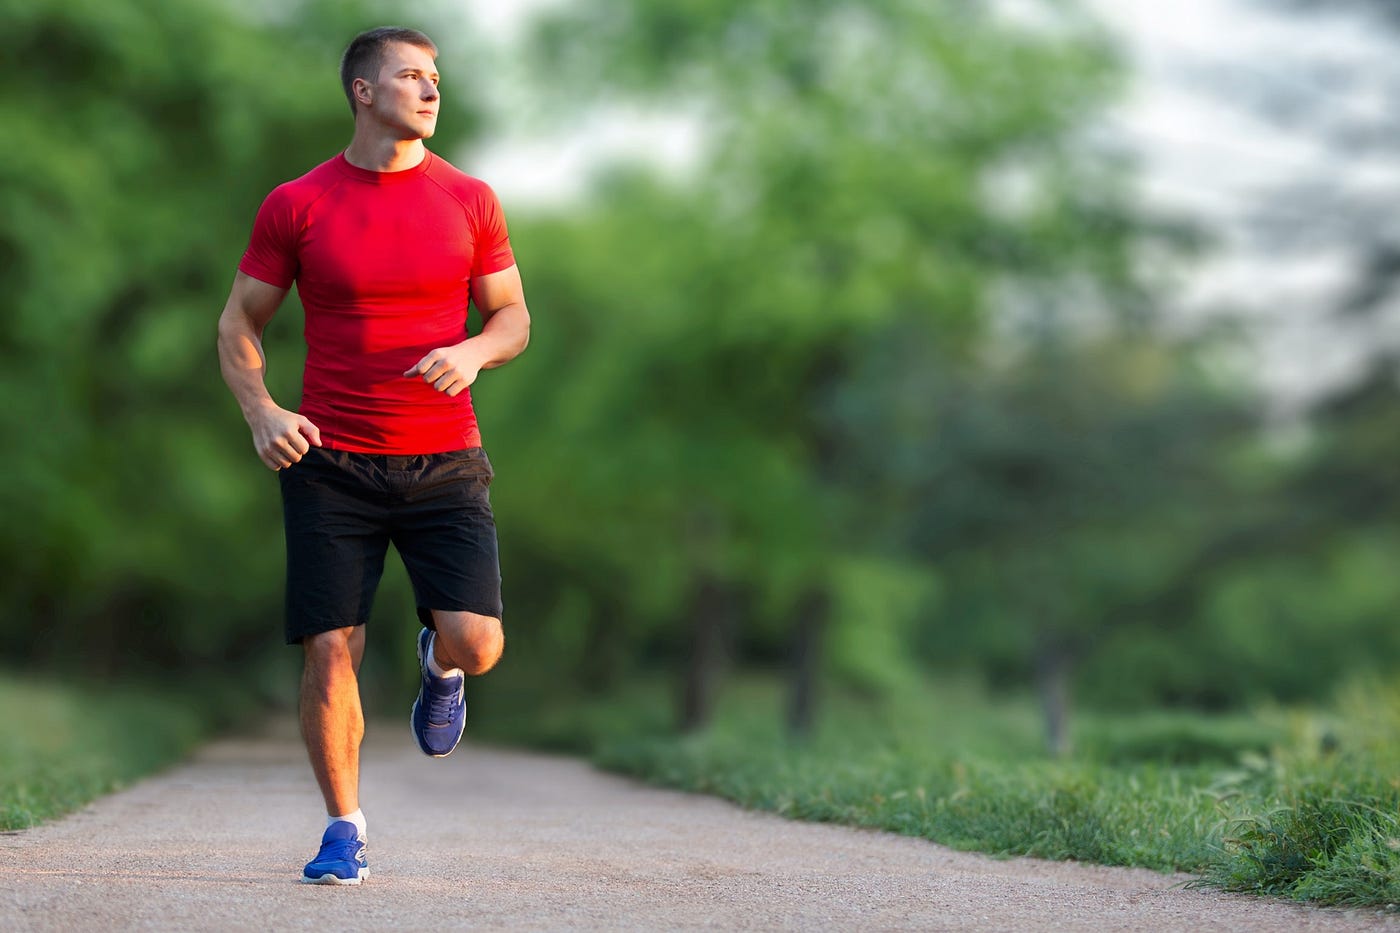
(378, 154)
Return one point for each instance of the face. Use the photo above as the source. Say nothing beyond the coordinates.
(404, 100)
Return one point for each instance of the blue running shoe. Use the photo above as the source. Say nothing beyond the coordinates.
(440, 712)
(341, 859)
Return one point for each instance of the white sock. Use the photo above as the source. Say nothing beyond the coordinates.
(433, 664)
(358, 818)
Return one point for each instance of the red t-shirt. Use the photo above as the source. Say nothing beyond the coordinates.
(384, 263)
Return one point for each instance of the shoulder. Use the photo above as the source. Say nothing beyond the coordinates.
(307, 188)
(301, 192)
(472, 192)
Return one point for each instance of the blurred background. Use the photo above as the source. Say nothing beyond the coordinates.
(1043, 347)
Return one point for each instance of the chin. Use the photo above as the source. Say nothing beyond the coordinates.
(419, 130)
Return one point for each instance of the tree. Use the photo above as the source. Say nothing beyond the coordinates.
(869, 172)
(1062, 496)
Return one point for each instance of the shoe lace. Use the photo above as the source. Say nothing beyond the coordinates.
(341, 850)
(444, 696)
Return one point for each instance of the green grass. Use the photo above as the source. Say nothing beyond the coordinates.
(1300, 804)
(60, 746)
(1333, 844)
(1325, 826)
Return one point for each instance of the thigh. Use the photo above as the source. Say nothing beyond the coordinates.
(445, 532)
(337, 534)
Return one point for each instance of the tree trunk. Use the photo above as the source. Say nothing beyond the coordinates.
(812, 613)
(1054, 663)
(603, 647)
(709, 633)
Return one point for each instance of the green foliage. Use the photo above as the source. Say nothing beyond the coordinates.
(877, 603)
(1055, 495)
(1327, 825)
(1177, 738)
(762, 364)
(1319, 847)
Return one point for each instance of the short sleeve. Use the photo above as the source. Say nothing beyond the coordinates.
(271, 256)
(491, 251)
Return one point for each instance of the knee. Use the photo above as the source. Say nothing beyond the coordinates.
(478, 643)
(484, 649)
(328, 653)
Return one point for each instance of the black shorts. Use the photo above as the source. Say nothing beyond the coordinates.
(342, 511)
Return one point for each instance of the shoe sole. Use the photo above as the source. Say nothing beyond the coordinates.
(413, 726)
(335, 879)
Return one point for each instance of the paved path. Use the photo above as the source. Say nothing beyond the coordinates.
(540, 843)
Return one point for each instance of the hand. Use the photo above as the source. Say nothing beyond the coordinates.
(448, 369)
(282, 437)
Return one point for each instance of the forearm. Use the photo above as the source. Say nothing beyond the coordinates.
(243, 364)
(503, 337)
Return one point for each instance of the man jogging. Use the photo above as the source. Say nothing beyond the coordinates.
(387, 244)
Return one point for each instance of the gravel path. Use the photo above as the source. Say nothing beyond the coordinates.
(506, 840)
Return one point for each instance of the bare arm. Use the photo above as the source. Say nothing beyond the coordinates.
(500, 298)
(280, 437)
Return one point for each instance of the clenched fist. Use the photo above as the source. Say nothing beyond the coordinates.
(282, 437)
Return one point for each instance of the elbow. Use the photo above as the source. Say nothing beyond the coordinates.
(229, 333)
(232, 323)
(520, 327)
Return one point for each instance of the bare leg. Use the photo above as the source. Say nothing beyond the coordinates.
(332, 721)
(467, 640)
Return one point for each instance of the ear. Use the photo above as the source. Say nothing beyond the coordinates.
(363, 91)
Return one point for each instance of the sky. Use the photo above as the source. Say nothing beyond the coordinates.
(1206, 151)
(531, 167)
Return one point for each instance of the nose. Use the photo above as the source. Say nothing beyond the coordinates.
(430, 91)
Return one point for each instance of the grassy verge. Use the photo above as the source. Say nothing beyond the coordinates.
(1324, 826)
(1304, 805)
(61, 746)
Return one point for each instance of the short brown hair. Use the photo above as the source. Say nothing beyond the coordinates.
(365, 54)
